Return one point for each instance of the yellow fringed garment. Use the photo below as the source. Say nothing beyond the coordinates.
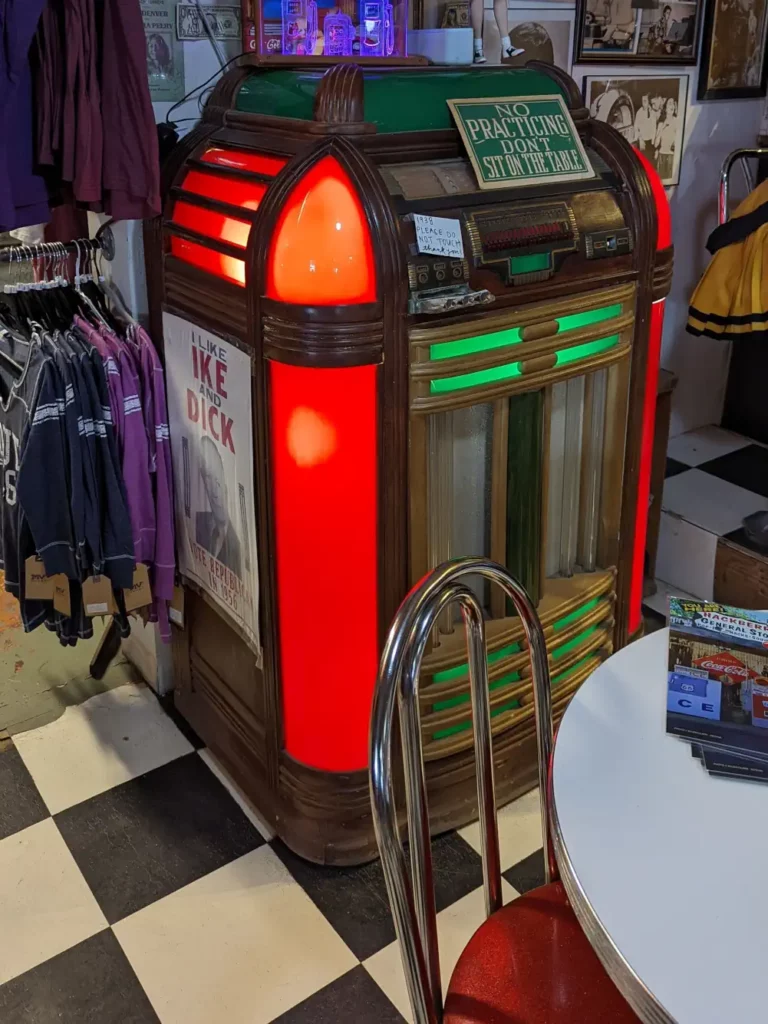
(731, 300)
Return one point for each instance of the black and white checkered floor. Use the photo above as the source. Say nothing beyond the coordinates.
(714, 478)
(137, 886)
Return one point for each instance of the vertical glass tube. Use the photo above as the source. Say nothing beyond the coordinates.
(592, 468)
(557, 396)
(574, 419)
(440, 500)
(524, 492)
(472, 431)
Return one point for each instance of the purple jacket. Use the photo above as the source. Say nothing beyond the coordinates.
(153, 387)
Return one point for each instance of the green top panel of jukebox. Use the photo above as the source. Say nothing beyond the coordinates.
(395, 100)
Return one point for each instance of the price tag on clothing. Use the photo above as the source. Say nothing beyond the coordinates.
(140, 593)
(61, 599)
(176, 607)
(98, 598)
(37, 586)
(438, 236)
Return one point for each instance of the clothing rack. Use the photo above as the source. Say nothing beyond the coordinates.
(104, 242)
(742, 156)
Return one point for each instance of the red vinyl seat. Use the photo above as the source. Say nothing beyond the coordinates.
(531, 963)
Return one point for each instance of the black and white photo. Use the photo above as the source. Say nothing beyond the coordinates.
(534, 35)
(649, 111)
(734, 63)
(637, 31)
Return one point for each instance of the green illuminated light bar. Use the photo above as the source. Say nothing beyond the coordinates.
(452, 730)
(475, 379)
(568, 619)
(513, 335)
(453, 673)
(589, 348)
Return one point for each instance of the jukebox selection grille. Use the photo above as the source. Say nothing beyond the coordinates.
(214, 206)
(522, 242)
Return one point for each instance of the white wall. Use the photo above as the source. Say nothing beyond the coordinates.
(712, 129)
(143, 647)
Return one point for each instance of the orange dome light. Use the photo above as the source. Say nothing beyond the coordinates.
(321, 254)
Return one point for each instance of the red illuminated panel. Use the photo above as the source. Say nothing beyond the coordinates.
(215, 225)
(646, 455)
(260, 163)
(322, 254)
(324, 451)
(207, 259)
(247, 194)
(663, 214)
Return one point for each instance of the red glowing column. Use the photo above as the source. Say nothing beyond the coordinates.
(663, 241)
(324, 429)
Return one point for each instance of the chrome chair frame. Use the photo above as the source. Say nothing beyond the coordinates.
(412, 897)
(741, 155)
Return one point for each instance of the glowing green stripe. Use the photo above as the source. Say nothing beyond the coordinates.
(589, 348)
(513, 335)
(572, 616)
(509, 370)
(473, 380)
(481, 343)
(560, 652)
(555, 681)
(453, 702)
(574, 321)
(453, 673)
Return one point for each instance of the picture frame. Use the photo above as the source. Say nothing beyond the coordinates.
(639, 107)
(734, 67)
(538, 33)
(642, 32)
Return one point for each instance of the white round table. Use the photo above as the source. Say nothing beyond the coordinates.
(664, 865)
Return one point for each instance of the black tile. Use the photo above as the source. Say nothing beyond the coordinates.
(527, 874)
(674, 467)
(149, 837)
(355, 901)
(168, 704)
(20, 803)
(91, 983)
(747, 467)
(354, 996)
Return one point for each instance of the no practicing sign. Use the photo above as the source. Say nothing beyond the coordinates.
(521, 140)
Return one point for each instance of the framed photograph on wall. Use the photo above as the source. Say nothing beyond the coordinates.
(535, 34)
(637, 31)
(648, 110)
(734, 63)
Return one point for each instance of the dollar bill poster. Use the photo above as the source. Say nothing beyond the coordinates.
(165, 52)
(211, 423)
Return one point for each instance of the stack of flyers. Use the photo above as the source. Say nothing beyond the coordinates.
(717, 686)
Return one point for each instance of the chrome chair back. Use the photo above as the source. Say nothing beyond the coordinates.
(411, 894)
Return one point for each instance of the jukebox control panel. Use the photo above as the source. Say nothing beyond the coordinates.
(519, 241)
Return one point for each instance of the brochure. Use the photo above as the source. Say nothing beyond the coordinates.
(717, 685)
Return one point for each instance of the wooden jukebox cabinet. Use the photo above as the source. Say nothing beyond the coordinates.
(409, 408)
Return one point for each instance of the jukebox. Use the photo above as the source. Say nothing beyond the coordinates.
(495, 398)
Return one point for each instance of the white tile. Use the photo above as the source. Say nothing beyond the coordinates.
(45, 903)
(706, 443)
(242, 945)
(237, 795)
(107, 740)
(658, 602)
(519, 830)
(686, 556)
(709, 502)
(455, 927)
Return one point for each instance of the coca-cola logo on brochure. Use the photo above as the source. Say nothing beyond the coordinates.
(728, 667)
